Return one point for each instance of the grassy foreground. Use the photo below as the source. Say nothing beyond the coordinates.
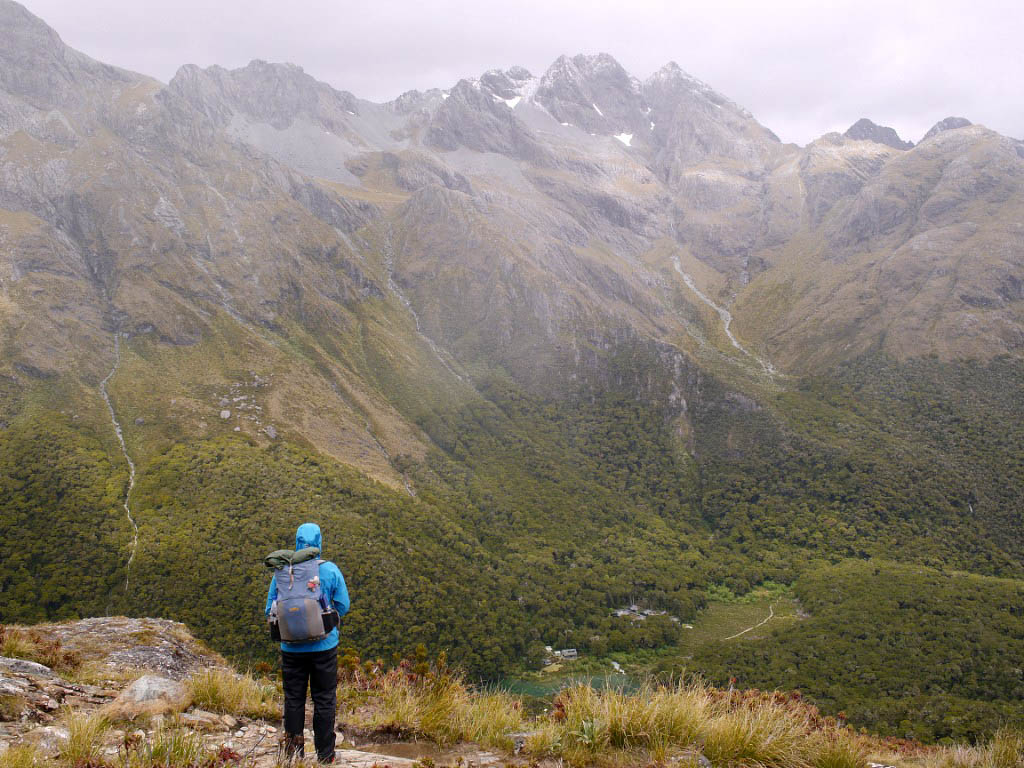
(656, 725)
(687, 723)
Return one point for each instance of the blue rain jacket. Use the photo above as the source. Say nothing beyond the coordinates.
(332, 584)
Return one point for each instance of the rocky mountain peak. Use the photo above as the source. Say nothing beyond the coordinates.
(510, 85)
(670, 71)
(592, 92)
(866, 130)
(274, 93)
(672, 84)
(36, 64)
(21, 25)
(947, 124)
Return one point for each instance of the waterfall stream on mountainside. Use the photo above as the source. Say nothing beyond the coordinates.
(722, 313)
(124, 450)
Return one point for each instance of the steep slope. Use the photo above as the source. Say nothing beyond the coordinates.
(917, 253)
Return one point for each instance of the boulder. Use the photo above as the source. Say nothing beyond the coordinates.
(12, 686)
(50, 739)
(22, 667)
(207, 721)
(149, 695)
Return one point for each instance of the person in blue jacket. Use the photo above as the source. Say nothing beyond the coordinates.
(314, 663)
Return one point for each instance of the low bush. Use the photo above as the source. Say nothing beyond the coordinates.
(31, 645)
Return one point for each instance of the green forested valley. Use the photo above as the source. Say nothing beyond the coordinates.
(534, 519)
(904, 650)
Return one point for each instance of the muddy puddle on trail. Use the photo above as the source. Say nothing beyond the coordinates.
(418, 750)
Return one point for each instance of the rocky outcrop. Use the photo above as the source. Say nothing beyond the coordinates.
(148, 696)
(474, 118)
(865, 130)
(276, 94)
(946, 124)
(593, 93)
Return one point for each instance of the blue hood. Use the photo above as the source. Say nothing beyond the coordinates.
(308, 535)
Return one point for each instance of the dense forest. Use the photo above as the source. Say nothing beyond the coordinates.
(903, 650)
(534, 518)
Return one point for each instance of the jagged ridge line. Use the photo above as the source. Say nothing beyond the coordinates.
(124, 450)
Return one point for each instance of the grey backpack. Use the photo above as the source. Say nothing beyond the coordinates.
(300, 604)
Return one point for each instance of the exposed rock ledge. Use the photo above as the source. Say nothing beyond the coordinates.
(132, 670)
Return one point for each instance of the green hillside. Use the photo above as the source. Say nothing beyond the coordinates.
(534, 519)
(903, 650)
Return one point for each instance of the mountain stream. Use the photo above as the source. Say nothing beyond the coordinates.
(124, 450)
(723, 313)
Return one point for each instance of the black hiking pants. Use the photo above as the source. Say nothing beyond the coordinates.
(318, 669)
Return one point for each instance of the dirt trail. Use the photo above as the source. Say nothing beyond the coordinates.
(769, 617)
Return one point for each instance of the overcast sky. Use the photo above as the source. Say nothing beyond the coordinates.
(802, 68)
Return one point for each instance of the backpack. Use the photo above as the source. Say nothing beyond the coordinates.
(301, 612)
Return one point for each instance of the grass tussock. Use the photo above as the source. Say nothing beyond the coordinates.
(1005, 750)
(759, 734)
(589, 722)
(167, 748)
(431, 702)
(24, 756)
(227, 692)
(661, 724)
(86, 735)
(841, 750)
(446, 711)
(31, 645)
(103, 675)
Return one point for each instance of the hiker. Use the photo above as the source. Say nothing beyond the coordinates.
(313, 597)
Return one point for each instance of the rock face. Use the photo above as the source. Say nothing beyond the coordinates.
(150, 695)
(865, 130)
(593, 93)
(947, 124)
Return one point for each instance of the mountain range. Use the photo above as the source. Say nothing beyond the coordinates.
(562, 340)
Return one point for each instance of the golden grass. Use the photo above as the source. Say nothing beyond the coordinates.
(30, 645)
(86, 732)
(225, 691)
(442, 708)
(593, 721)
(1005, 750)
(659, 724)
(11, 706)
(166, 748)
(24, 756)
(101, 674)
(762, 734)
